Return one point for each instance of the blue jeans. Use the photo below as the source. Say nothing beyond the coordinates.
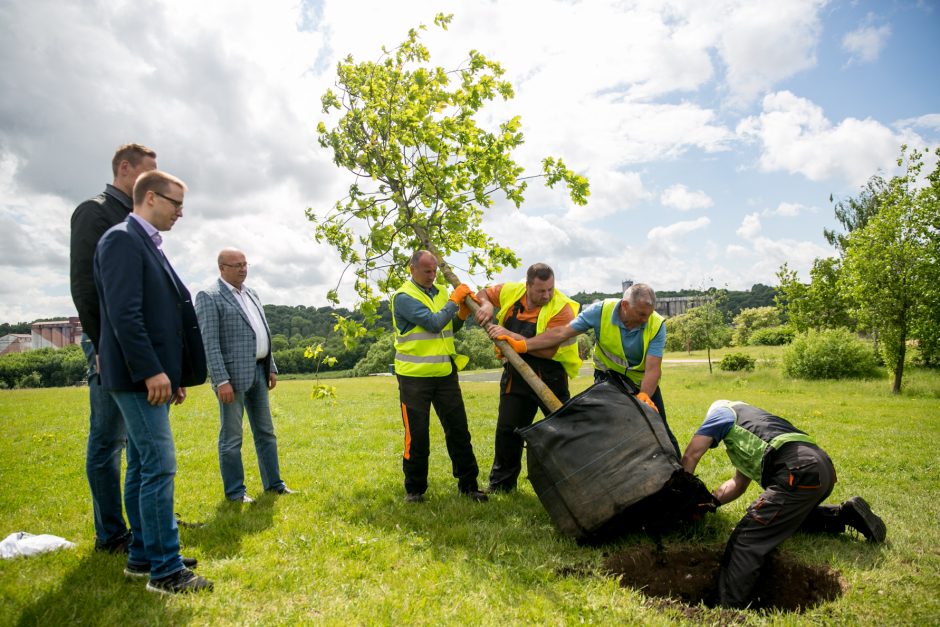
(106, 441)
(148, 484)
(254, 400)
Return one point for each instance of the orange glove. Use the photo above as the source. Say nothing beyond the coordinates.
(463, 311)
(460, 293)
(499, 353)
(517, 345)
(643, 397)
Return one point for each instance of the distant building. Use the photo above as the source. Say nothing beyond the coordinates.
(15, 343)
(56, 333)
(675, 305)
(670, 306)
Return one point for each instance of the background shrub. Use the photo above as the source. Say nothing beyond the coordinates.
(772, 336)
(44, 367)
(737, 361)
(829, 354)
(750, 320)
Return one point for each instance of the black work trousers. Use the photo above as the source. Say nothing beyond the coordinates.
(801, 477)
(418, 395)
(517, 407)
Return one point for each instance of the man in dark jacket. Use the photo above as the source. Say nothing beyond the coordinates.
(796, 476)
(106, 435)
(150, 351)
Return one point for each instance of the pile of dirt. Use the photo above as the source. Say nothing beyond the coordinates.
(690, 576)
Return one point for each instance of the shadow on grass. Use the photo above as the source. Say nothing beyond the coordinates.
(221, 536)
(96, 592)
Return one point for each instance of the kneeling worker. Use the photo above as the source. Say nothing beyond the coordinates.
(796, 476)
(524, 310)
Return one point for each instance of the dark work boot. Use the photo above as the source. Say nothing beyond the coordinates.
(857, 514)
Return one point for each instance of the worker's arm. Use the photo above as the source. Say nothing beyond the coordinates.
(496, 331)
(550, 339)
(654, 370)
(697, 447)
(732, 488)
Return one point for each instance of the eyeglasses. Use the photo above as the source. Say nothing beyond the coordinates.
(176, 203)
(238, 266)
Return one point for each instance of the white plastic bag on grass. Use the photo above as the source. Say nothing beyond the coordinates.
(22, 544)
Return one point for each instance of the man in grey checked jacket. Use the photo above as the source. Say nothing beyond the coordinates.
(237, 340)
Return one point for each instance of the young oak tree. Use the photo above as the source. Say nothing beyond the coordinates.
(424, 170)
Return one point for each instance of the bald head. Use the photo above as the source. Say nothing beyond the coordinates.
(233, 267)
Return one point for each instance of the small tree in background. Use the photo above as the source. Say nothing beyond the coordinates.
(891, 265)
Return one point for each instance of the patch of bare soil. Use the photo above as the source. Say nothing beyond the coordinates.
(682, 578)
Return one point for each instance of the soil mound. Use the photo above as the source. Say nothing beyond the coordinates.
(690, 576)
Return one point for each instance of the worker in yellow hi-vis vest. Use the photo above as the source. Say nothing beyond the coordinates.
(522, 311)
(426, 364)
(631, 338)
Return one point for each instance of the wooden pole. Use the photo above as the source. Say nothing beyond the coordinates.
(538, 386)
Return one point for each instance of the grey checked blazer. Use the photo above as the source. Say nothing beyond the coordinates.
(228, 337)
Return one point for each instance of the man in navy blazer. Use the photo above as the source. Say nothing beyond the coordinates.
(237, 340)
(150, 350)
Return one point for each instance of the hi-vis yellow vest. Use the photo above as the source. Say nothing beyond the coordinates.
(608, 352)
(419, 353)
(567, 353)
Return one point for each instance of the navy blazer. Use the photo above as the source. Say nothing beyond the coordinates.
(148, 324)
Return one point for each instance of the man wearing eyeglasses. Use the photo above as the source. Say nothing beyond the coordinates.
(106, 434)
(150, 352)
(237, 341)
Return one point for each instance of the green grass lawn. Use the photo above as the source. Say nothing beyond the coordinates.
(348, 550)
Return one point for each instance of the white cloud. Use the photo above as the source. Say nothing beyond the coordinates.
(764, 43)
(866, 43)
(611, 193)
(786, 209)
(750, 226)
(683, 199)
(930, 121)
(677, 229)
(796, 137)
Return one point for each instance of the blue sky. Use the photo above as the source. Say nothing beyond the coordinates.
(713, 132)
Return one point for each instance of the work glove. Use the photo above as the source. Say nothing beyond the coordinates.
(460, 293)
(643, 397)
(517, 345)
(463, 311)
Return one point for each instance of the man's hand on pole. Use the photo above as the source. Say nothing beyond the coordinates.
(517, 345)
(460, 293)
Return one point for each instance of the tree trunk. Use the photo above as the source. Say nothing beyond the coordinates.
(538, 386)
(899, 367)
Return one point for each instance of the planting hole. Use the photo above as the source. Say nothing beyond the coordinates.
(690, 576)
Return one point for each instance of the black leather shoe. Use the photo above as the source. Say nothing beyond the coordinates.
(116, 546)
(476, 495)
(499, 489)
(414, 498)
